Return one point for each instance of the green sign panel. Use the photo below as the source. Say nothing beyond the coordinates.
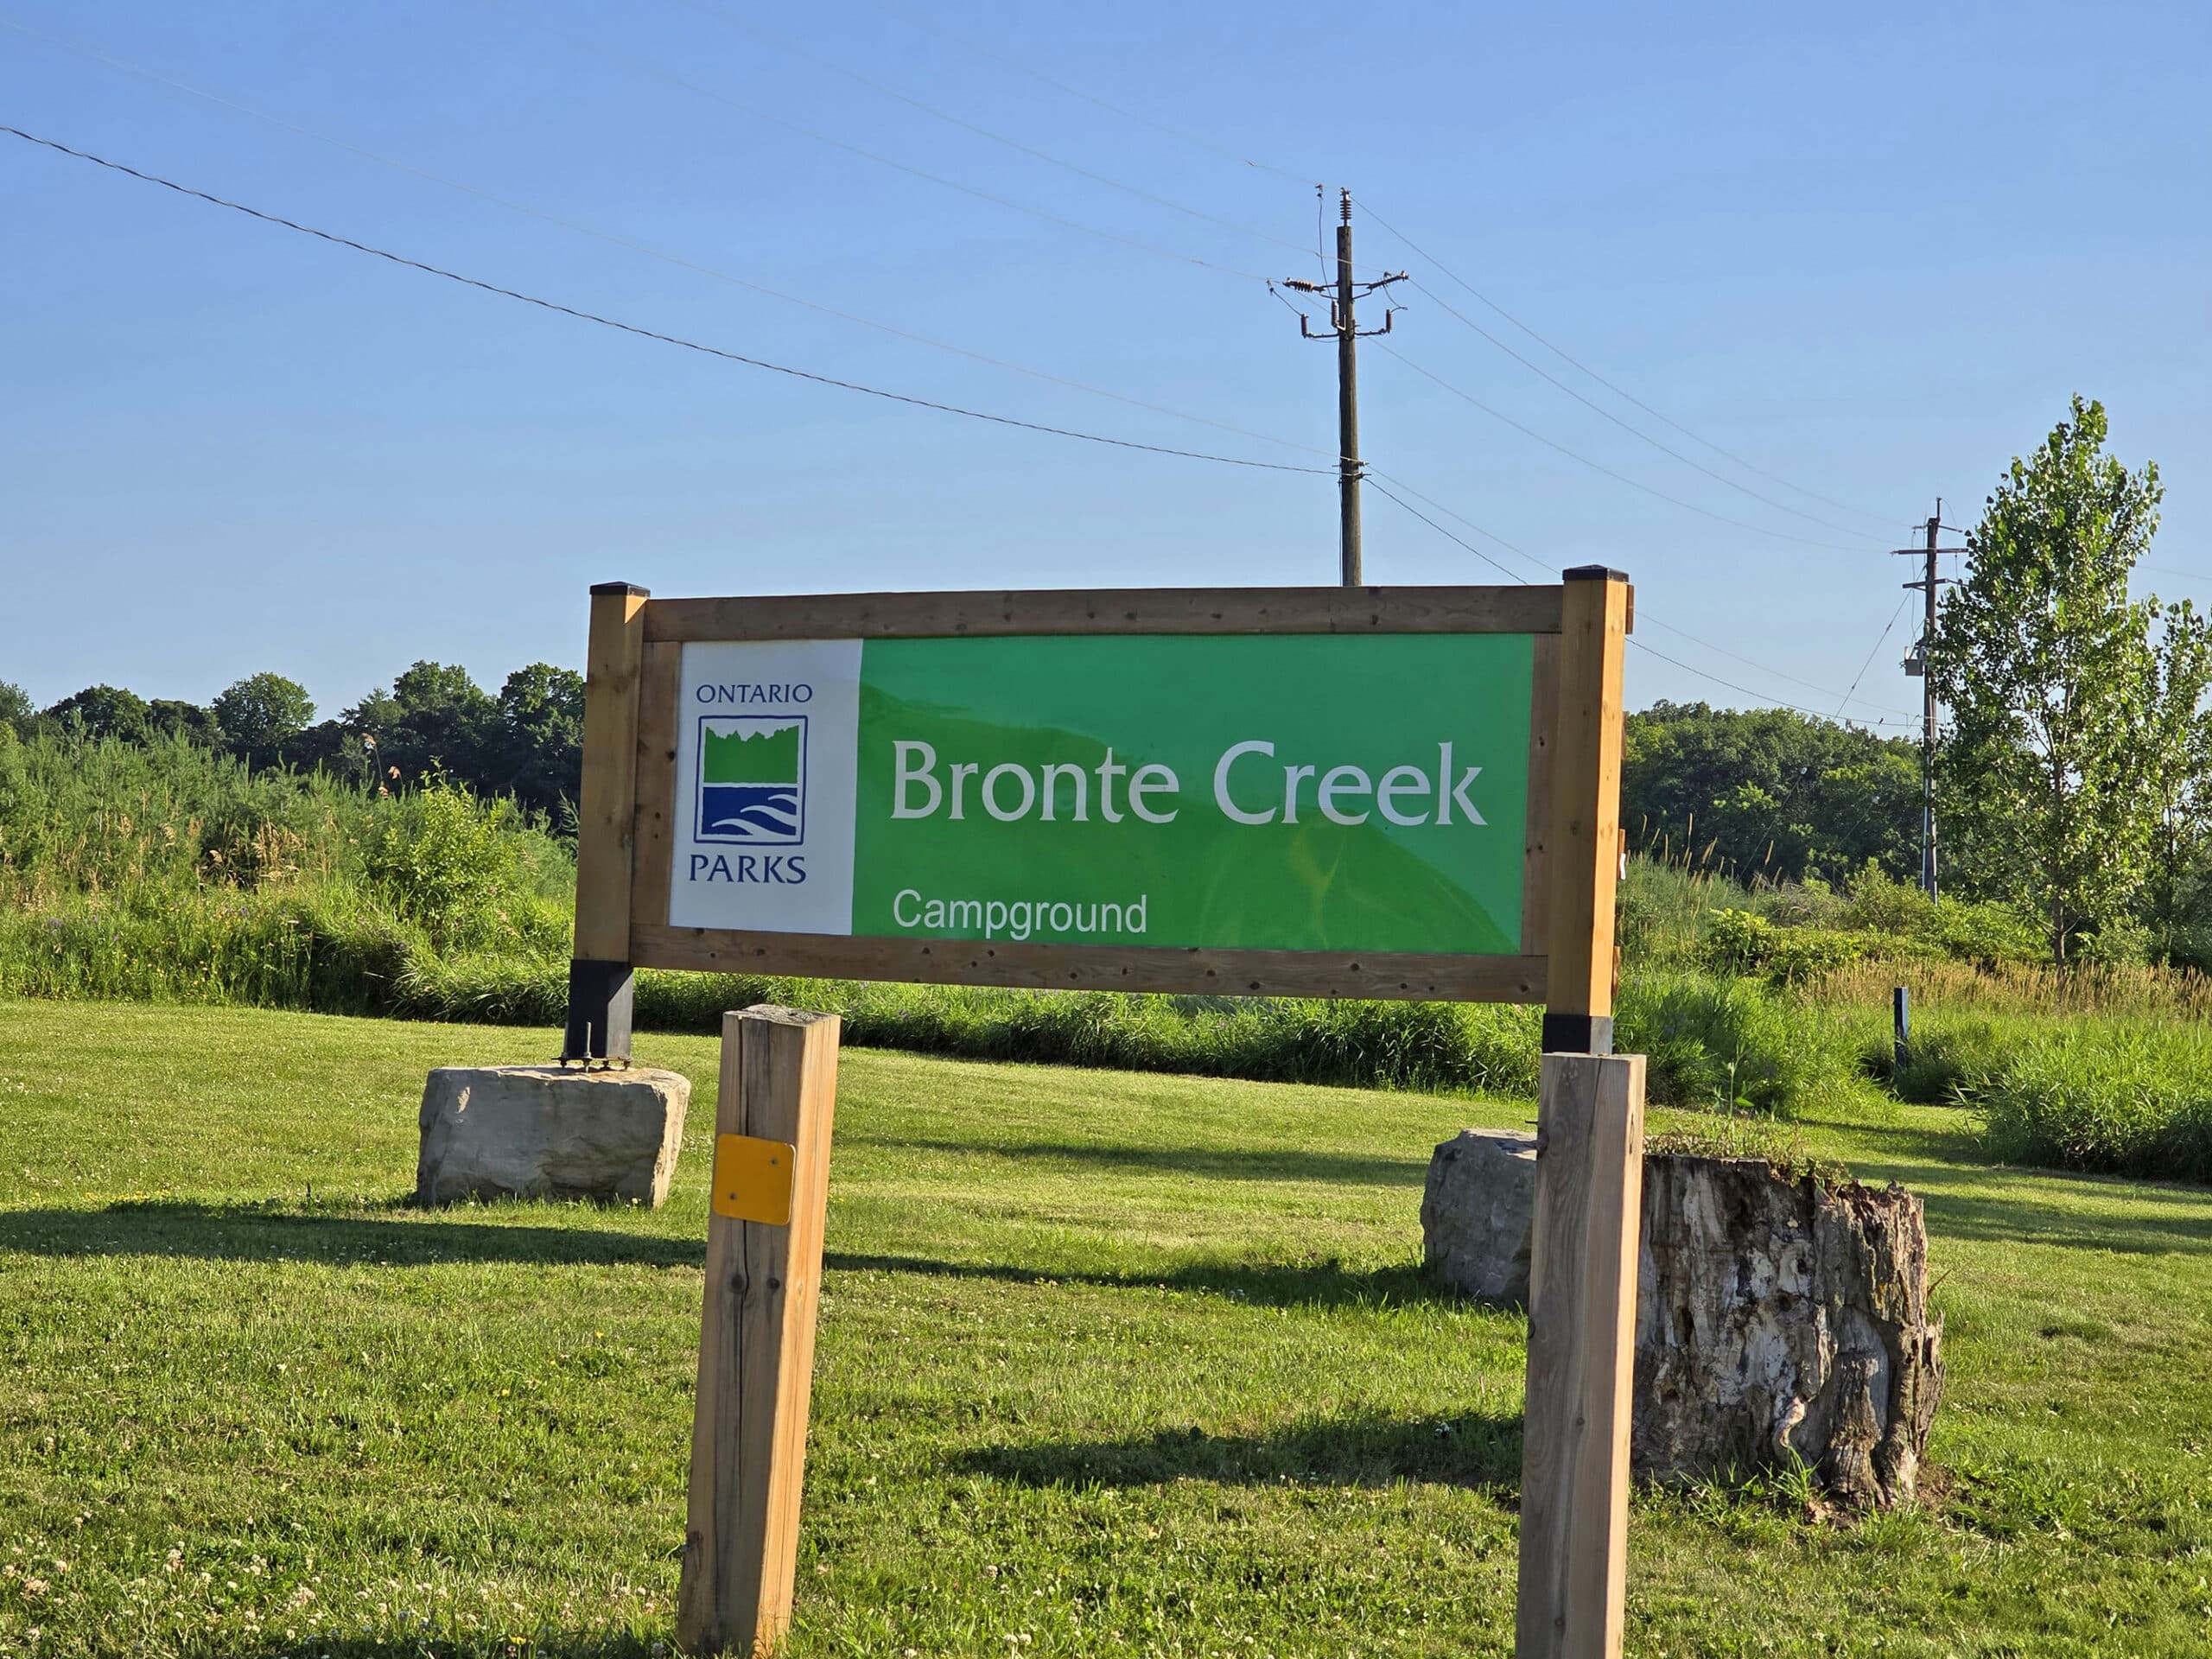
(1277, 792)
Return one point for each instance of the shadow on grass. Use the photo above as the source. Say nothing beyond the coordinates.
(2143, 1220)
(1271, 1284)
(254, 1233)
(1476, 1451)
(1213, 1163)
(544, 1645)
(1875, 1141)
(251, 1233)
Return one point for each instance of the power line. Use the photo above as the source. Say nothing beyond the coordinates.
(930, 26)
(1600, 408)
(1644, 616)
(1871, 654)
(1618, 391)
(782, 43)
(1448, 535)
(1797, 708)
(642, 66)
(653, 334)
(1183, 135)
(1599, 466)
(753, 362)
(617, 239)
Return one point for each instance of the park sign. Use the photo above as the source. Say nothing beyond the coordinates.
(1255, 791)
(1383, 792)
(1390, 792)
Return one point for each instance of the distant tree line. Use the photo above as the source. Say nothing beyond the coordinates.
(526, 742)
(1769, 795)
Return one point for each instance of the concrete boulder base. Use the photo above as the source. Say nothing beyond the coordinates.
(550, 1132)
(1777, 1316)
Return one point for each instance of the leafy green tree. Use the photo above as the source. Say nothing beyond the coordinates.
(99, 711)
(2176, 780)
(542, 714)
(2047, 668)
(170, 717)
(1769, 792)
(436, 719)
(262, 713)
(17, 712)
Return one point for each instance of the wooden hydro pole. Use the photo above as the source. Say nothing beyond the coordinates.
(1344, 328)
(1917, 663)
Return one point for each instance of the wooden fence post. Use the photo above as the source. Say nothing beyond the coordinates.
(1581, 1357)
(1574, 1462)
(1595, 610)
(778, 1091)
(600, 984)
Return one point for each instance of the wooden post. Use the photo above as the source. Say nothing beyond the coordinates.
(1581, 1357)
(756, 1340)
(1595, 616)
(600, 984)
(1574, 1460)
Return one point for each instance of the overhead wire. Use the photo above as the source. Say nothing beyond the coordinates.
(1183, 135)
(581, 315)
(1592, 403)
(1877, 651)
(644, 332)
(617, 239)
(644, 67)
(929, 25)
(1644, 615)
(721, 15)
(1599, 466)
(1618, 391)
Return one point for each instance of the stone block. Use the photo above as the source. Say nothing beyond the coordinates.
(1477, 1212)
(550, 1132)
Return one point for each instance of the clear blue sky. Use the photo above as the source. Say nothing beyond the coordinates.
(1870, 250)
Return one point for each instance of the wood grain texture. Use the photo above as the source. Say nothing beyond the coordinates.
(756, 1344)
(652, 859)
(1543, 743)
(605, 812)
(1145, 610)
(1392, 975)
(1575, 1469)
(1585, 848)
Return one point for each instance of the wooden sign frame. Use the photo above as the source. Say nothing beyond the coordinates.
(1570, 838)
(778, 1066)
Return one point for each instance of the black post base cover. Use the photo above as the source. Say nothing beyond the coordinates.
(600, 996)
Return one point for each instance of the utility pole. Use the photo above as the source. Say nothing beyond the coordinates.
(1344, 329)
(1916, 663)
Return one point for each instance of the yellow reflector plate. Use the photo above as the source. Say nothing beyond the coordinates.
(752, 1179)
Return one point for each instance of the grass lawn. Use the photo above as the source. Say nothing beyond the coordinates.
(1109, 1363)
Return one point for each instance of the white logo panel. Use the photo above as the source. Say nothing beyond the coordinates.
(767, 754)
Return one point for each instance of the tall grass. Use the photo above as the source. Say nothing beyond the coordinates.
(162, 872)
(2126, 1096)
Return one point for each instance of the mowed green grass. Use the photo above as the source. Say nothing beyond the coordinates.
(1109, 1363)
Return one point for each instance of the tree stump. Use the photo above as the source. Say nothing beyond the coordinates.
(1776, 1317)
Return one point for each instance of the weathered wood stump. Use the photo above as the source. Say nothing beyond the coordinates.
(1776, 1316)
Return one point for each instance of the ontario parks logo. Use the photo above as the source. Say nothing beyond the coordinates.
(751, 779)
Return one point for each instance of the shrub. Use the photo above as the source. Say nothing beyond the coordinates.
(1739, 942)
(453, 866)
(1733, 1045)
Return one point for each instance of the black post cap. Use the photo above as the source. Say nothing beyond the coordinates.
(630, 587)
(1593, 573)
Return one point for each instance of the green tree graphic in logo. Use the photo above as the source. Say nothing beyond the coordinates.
(752, 779)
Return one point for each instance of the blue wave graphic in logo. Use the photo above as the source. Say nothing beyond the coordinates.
(749, 811)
